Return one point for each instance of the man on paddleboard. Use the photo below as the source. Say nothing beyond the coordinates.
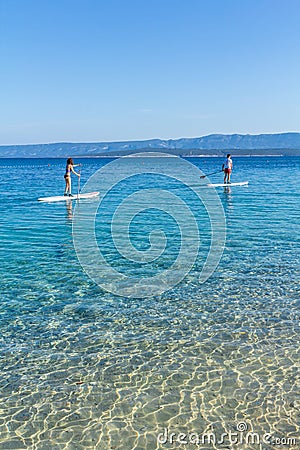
(227, 169)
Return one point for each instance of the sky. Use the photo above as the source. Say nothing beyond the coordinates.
(99, 70)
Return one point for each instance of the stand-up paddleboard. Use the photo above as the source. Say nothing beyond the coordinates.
(242, 183)
(63, 198)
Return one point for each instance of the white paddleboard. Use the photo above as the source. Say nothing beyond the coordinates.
(242, 183)
(61, 198)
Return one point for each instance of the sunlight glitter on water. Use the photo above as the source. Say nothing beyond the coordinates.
(81, 368)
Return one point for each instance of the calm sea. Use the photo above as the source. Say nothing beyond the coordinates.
(83, 368)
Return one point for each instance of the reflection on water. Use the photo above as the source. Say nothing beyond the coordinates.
(69, 209)
(228, 203)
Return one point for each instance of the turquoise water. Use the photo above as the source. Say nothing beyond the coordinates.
(83, 368)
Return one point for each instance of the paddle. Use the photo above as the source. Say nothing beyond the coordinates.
(204, 176)
(78, 184)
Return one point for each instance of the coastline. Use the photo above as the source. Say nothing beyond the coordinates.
(236, 155)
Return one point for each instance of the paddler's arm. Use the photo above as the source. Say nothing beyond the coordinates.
(73, 171)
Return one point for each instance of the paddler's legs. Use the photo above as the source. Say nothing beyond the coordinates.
(228, 176)
(68, 185)
(225, 175)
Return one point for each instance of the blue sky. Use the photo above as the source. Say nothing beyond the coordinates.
(99, 70)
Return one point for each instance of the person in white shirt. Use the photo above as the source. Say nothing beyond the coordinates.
(227, 169)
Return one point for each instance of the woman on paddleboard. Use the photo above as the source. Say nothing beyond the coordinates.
(227, 169)
(70, 168)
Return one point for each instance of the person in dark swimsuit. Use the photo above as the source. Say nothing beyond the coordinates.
(70, 168)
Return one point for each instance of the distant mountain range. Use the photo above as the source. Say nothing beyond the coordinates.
(214, 144)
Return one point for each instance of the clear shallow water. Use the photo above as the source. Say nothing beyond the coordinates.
(81, 368)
